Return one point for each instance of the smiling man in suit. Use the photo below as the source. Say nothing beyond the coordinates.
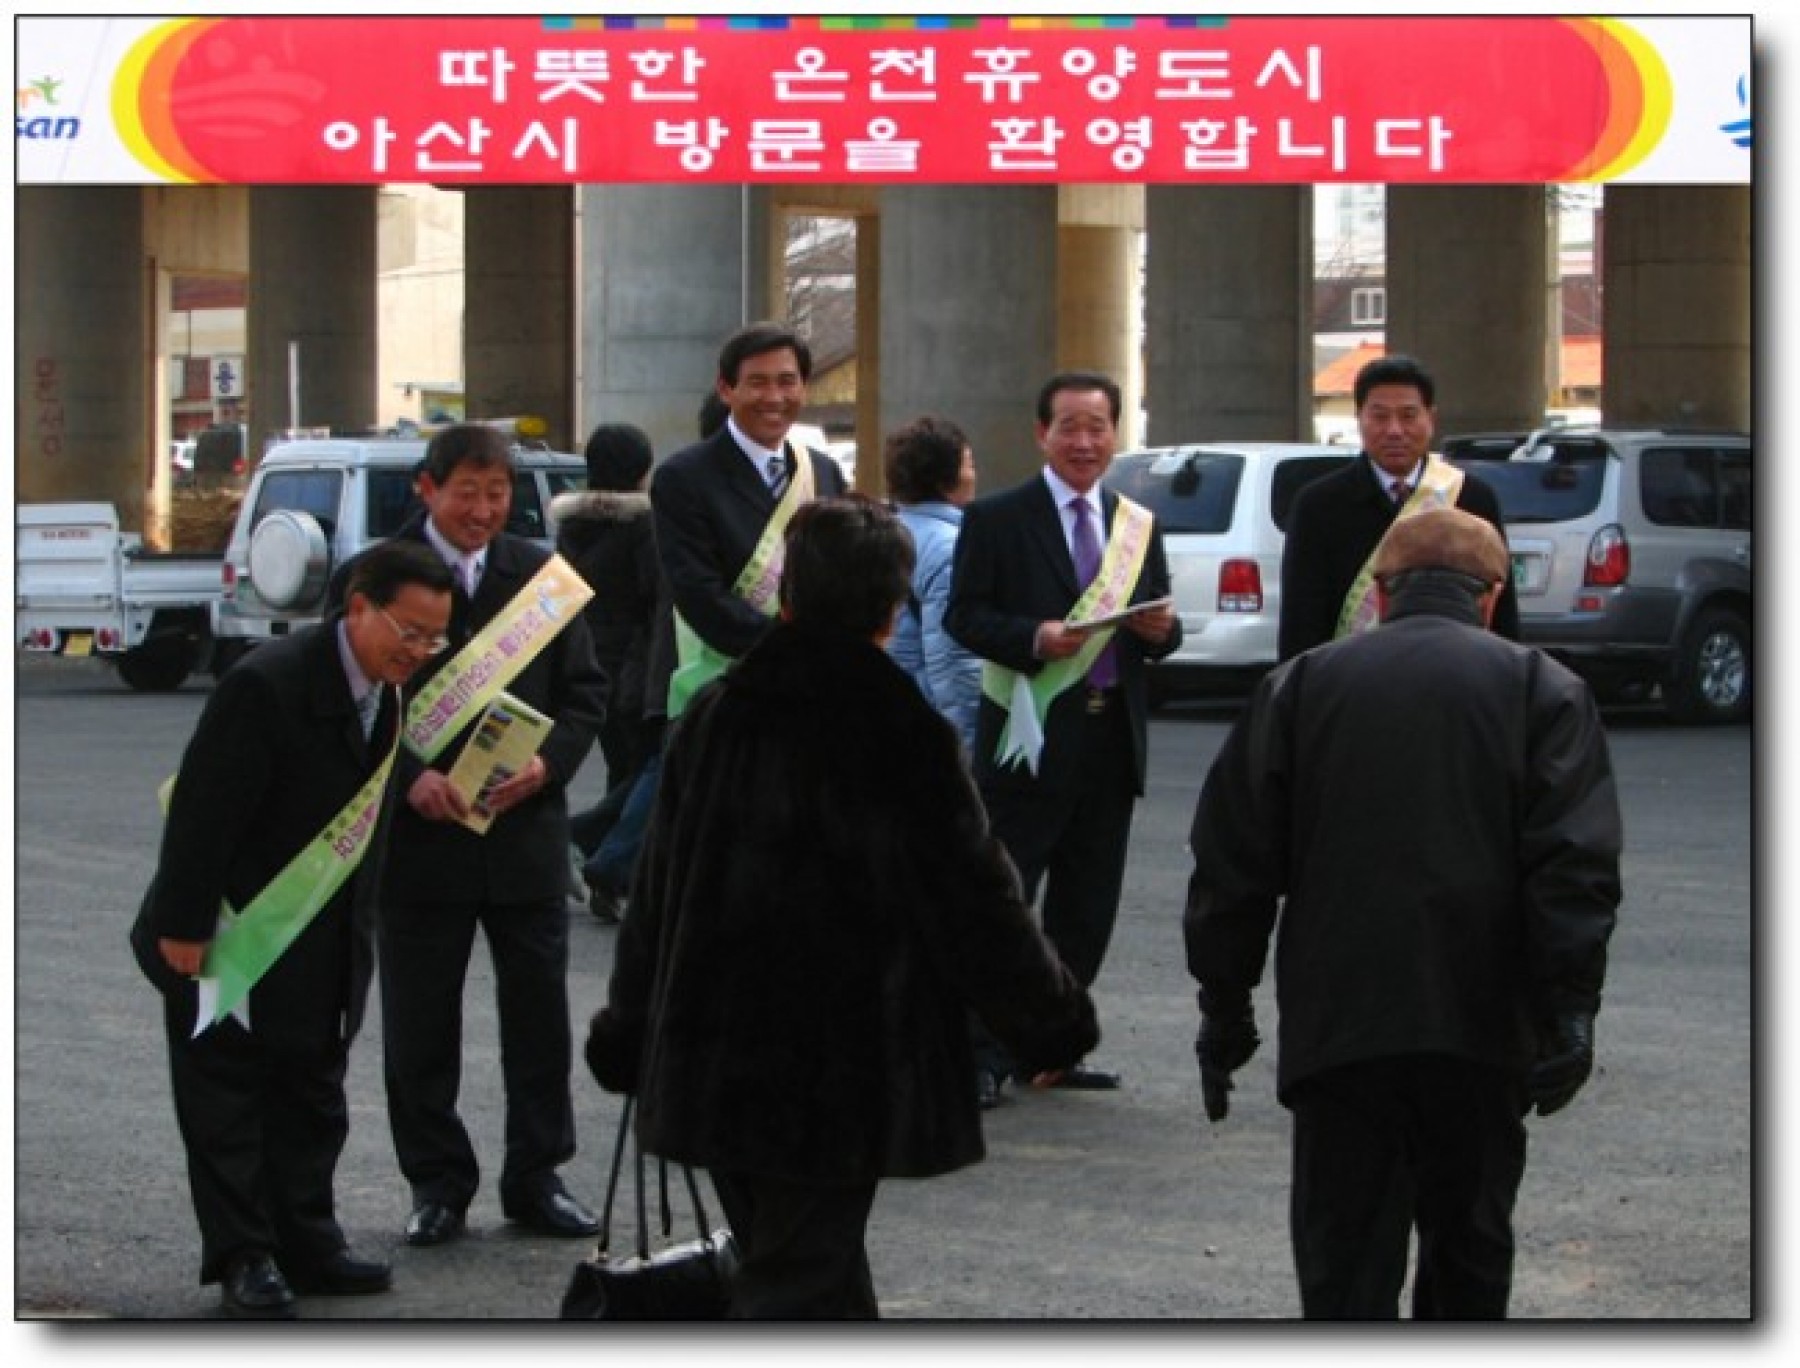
(1060, 745)
(722, 505)
(444, 880)
(297, 740)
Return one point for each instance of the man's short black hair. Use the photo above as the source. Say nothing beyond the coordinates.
(848, 566)
(1080, 381)
(757, 340)
(465, 444)
(381, 572)
(1395, 370)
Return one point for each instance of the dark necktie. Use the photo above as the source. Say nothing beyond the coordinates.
(1401, 492)
(1104, 672)
(777, 475)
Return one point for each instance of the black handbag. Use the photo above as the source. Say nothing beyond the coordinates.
(687, 1281)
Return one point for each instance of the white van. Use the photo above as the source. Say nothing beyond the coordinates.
(1223, 509)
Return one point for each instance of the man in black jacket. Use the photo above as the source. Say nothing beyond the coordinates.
(1432, 811)
(444, 881)
(296, 741)
(1337, 521)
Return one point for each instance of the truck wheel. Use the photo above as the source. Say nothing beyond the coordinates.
(160, 664)
(1709, 679)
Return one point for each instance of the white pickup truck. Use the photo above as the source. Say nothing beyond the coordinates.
(84, 587)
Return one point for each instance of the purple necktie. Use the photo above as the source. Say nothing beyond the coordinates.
(1104, 672)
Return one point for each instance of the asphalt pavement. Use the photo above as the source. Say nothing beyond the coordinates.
(1125, 1210)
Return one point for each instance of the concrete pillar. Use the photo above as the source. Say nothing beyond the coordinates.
(81, 408)
(1228, 313)
(870, 478)
(968, 315)
(667, 273)
(1097, 314)
(312, 297)
(519, 306)
(1676, 276)
(1467, 268)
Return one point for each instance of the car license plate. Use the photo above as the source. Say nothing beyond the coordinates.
(78, 644)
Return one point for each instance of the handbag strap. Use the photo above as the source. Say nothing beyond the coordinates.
(662, 1172)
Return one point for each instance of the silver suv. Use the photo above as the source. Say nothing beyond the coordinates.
(1631, 555)
(314, 503)
(1223, 508)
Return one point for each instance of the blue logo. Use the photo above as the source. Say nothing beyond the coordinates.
(1739, 129)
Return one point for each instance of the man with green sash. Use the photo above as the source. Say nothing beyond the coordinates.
(722, 505)
(257, 927)
(1060, 742)
(516, 626)
(1338, 521)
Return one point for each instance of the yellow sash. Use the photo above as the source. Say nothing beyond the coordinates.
(758, 584)
(494, 657)
(1026, 699)
(1438, 487)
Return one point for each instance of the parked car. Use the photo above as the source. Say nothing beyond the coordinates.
(1631, 554)
(1223, 507)
(314, 503)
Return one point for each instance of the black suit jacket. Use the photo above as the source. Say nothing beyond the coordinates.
(1332, 529)
(710, 507)
(1013, 571)
(524, 856)
(277, 753)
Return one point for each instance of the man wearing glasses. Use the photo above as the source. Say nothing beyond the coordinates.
(443, 880)
(278, 810)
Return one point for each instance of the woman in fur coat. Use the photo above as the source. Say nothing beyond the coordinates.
(818, 906)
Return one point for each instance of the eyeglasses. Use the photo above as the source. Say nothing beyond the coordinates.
(412, 638)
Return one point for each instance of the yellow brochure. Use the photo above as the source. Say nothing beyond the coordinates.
(501, 744)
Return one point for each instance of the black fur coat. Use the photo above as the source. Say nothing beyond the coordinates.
(818, 905)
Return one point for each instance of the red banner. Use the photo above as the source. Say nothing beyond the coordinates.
(1531, 99)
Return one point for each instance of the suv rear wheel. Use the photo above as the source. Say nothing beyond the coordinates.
(1709, 679)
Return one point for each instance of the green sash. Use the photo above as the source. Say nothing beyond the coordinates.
(494, 657)
(1026, 698)
(758, 584)
(245, 944)
(1438, 487)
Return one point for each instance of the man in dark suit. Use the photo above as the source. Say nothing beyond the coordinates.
(1063, 807)
(1336, 522)
(444, 880)
(721, 504)
(302, 732)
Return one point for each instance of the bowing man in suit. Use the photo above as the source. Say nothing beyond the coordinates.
(721, 505)
(300, 733)
(444, 881)
(1338, 521)
(1060, 739)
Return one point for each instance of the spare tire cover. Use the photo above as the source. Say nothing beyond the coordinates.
(290, 560)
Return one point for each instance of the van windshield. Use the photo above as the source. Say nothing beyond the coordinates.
(1189, 492)
(1542, 491)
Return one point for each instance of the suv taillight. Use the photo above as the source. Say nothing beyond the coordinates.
(1240, 587)
(1608, 558)
(228, 573)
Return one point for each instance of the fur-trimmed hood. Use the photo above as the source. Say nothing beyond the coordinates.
(599, 505)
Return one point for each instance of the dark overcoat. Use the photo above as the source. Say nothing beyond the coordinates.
(818, 905)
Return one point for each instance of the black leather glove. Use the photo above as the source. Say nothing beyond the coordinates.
(1227, 1039)
(1565, 1059)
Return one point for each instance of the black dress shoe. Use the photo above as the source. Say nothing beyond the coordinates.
(1079, 1077)
(433, 1223)
(341, 1275)
(553, 1212)
(255, 1290)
